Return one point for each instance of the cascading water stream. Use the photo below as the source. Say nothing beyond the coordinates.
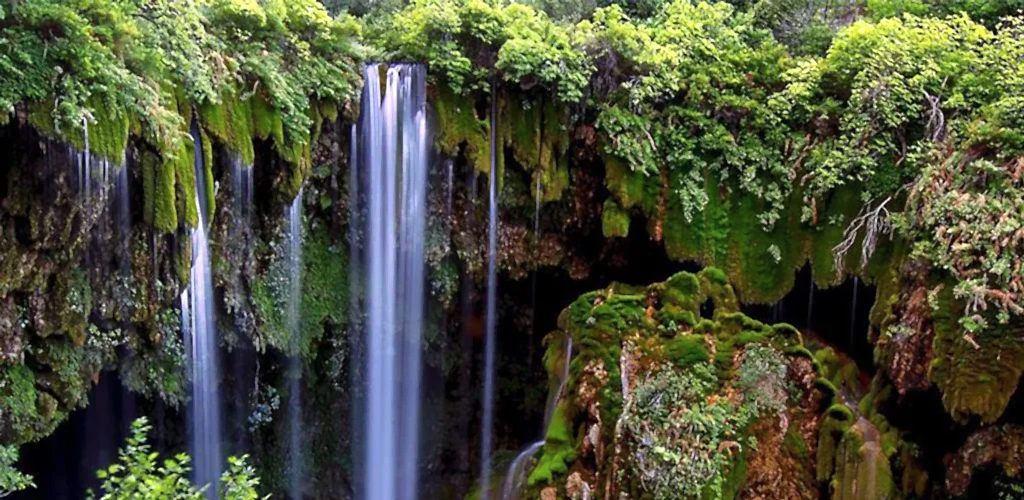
(516, 476)
(295, 362)
(487, 424)
(393, 157)
(201, 338)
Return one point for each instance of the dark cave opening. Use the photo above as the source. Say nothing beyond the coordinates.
(64, 464)
(838, 316)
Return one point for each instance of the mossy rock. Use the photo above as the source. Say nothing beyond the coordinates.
(105, 135)
(534, 129)
(459, 127)
(322, 300)
(978, 373)
(624, 336)
(230, 122)
(614, 220)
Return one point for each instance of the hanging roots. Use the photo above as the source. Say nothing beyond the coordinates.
(875, 222)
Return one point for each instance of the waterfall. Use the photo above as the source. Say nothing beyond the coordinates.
(356, 339)
(295, 362)
(487, 424)
(393, 157)
(200, 332)
(517, 472)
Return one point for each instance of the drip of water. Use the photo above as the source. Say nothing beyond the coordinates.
(516, 476)
(536, 210)
(487, 424)
(853, 309)
(201, 337)
(777, 311)
(533, 280)
(450, 167)
(549, 409)
(394, 153)
(242, 194)
(123, 218)
(86, 163)
(295, 362)
(810, 303)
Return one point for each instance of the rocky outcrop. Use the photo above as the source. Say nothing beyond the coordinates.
(667, 403)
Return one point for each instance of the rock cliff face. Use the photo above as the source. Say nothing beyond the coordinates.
(894, 159)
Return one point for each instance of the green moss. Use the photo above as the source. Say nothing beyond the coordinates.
(977, 377)
(211, 197)
(795, 444)
(827, 388)
(829, 362)
(787, 335)
(862, 471)
(230, 122)
(266, 120)
(164, 211)
(686, 350)
(834, 424)
(558, 451)
(627, 186)
(833, 218)
(183, 166)
(533, 129)
(735, 480)
(614, 220)
(24, 414)
(459, 125)
(149, 179)
(107, 129)
(323, 301)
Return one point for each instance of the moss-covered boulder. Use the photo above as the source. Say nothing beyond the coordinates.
(674, 393)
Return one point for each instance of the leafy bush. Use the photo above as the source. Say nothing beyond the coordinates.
(140, 474)
(11, 480)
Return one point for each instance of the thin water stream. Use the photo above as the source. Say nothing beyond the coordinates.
(487, 424)
(199, 326)
(295, 478)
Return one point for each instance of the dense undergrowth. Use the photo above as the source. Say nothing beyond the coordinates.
(882, 139)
